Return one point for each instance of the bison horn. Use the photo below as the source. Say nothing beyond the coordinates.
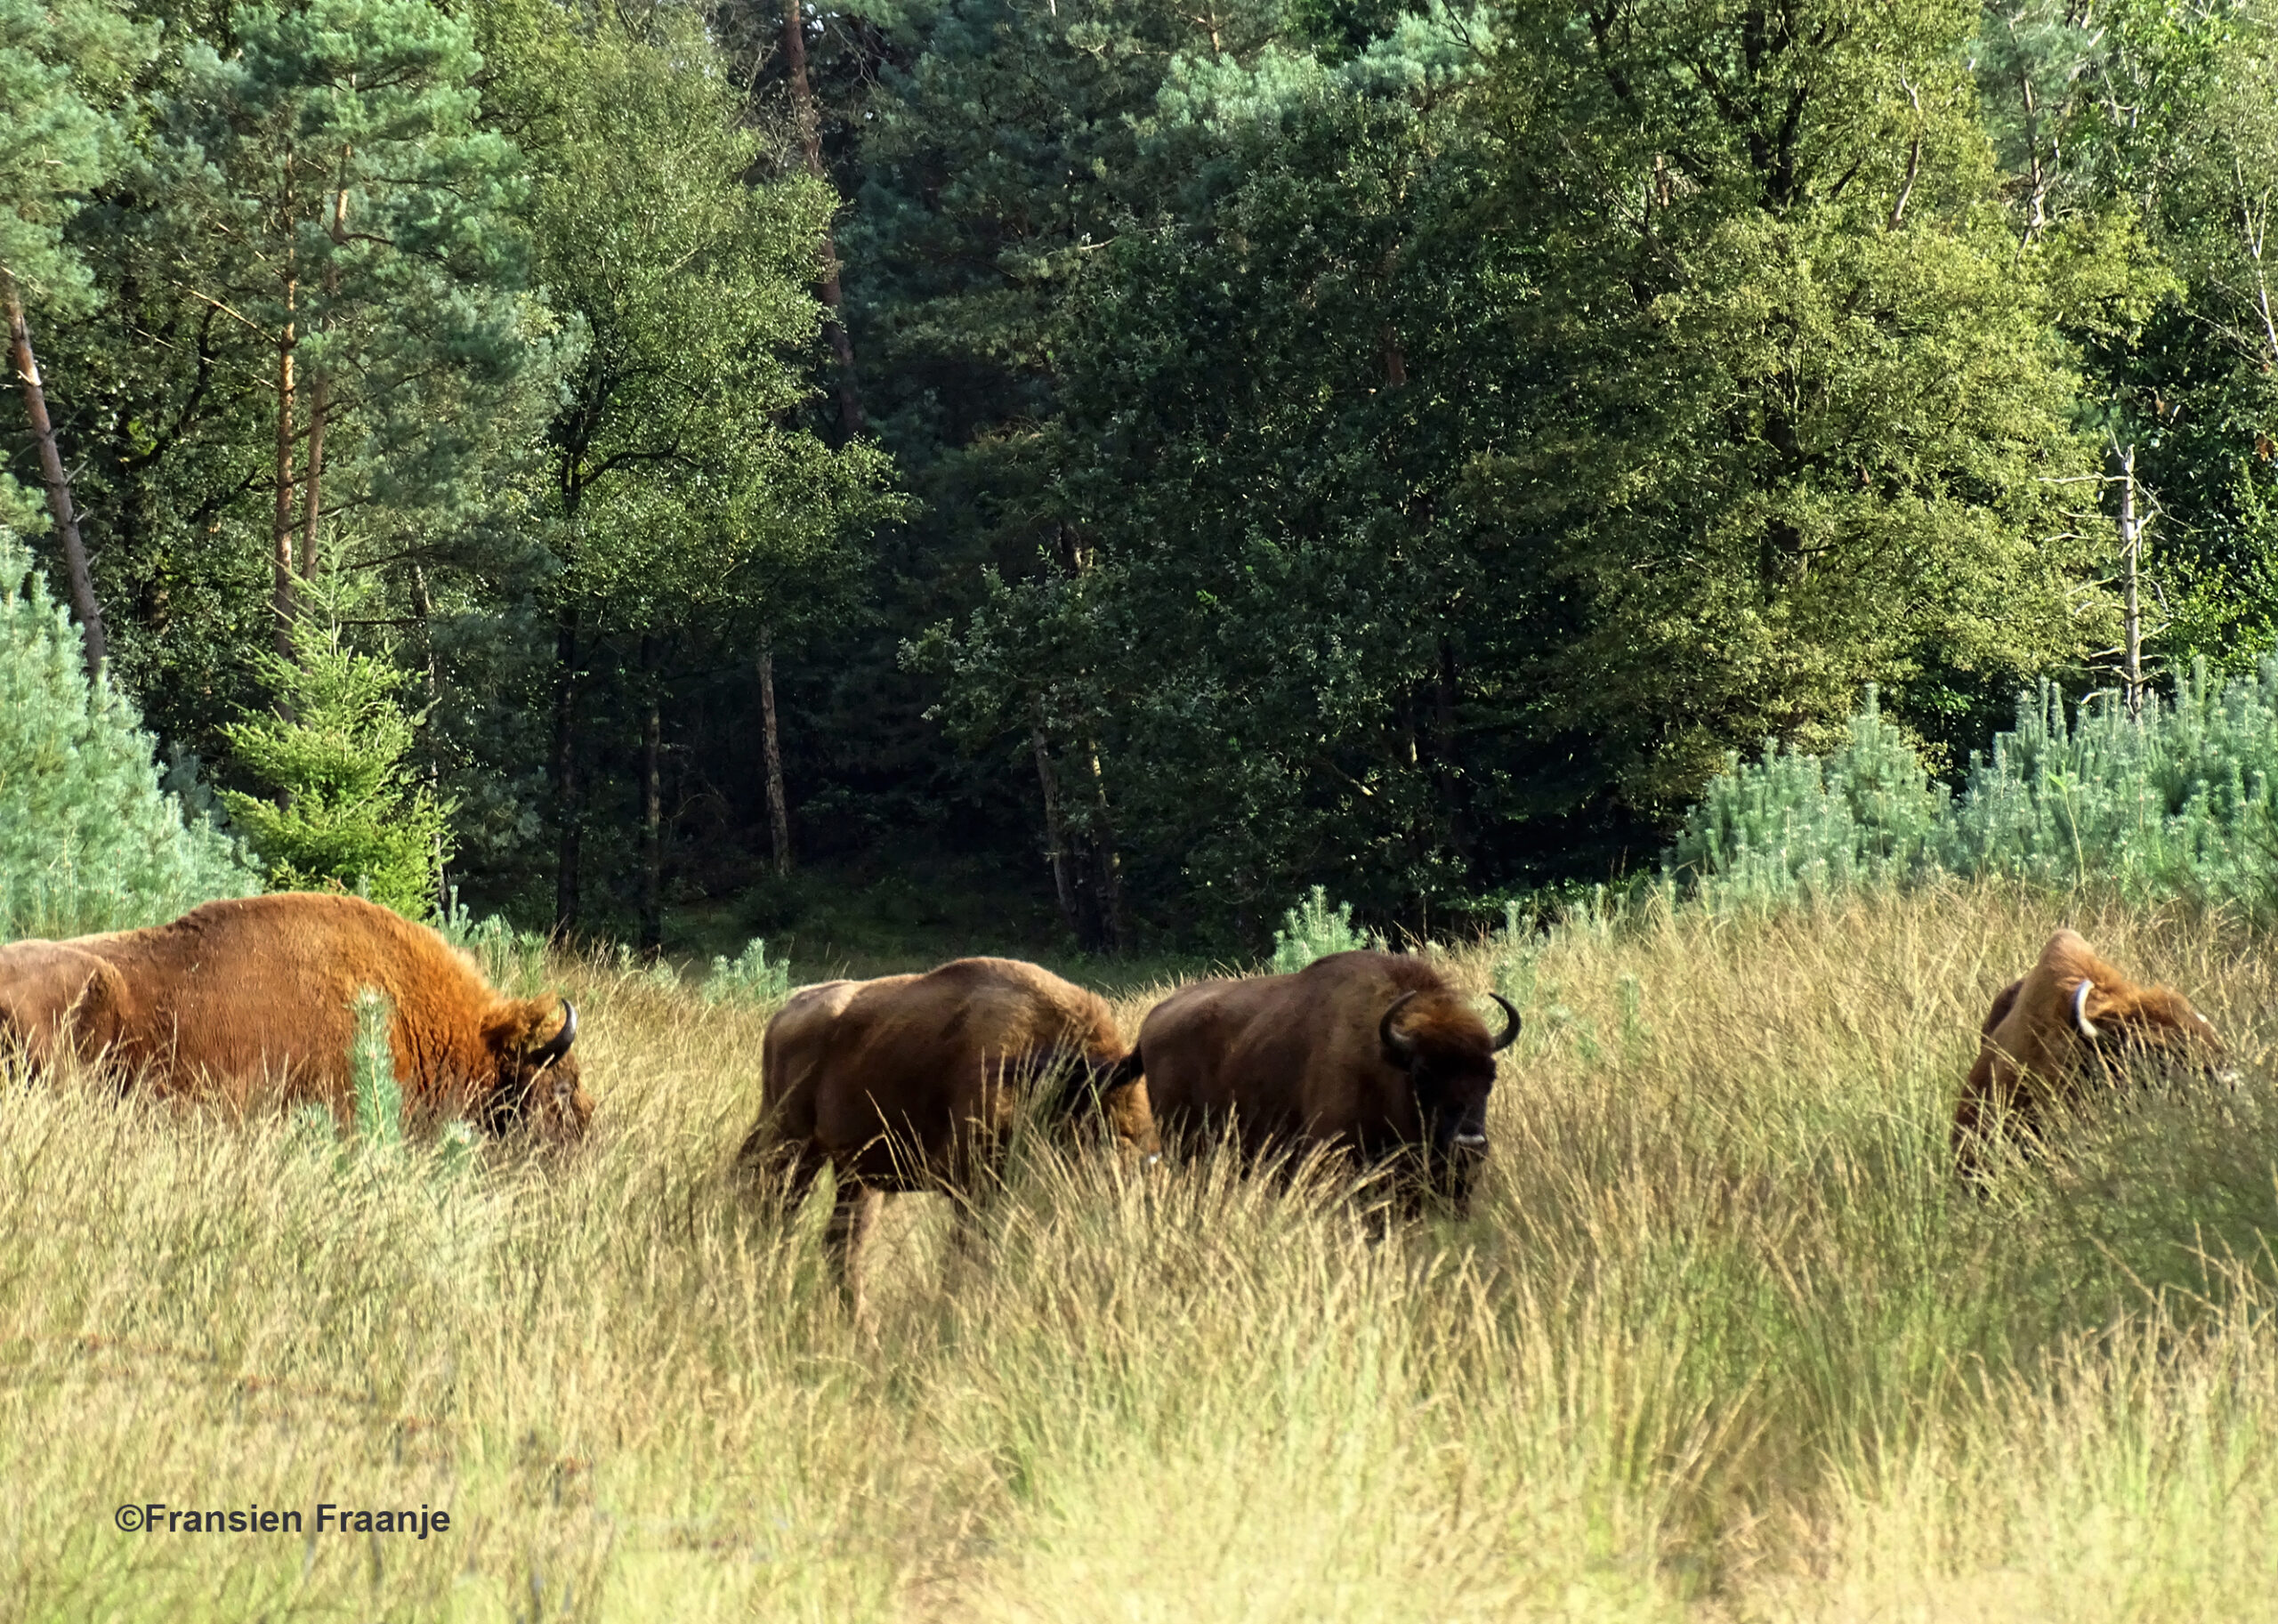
(1399, 1044)
(1510, 1024)
(2081, 1011)
(559, 1044)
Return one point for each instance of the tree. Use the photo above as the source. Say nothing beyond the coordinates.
(88, 841)
(1813, 409)
(670, 471)
(54, 145)
(349, 811)
(331, 196)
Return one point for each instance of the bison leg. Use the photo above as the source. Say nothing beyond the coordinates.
(853, 1217)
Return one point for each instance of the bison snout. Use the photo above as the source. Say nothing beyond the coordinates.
(1476, 1144)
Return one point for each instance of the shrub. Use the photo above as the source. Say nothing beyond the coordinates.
(748, 978)
(1792, 823)
(1315, 930)
(88, 841)
(2184, 802)
(347, 815)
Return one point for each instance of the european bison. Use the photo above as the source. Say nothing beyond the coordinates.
(2071, 1019)
(252, 999)
(911, 1083)
(1370, 1053)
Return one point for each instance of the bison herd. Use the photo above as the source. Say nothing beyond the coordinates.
(914, 1082)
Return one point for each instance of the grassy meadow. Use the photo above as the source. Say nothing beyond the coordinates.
(1719, 1341)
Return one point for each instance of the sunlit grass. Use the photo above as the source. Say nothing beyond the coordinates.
(1720, 1339)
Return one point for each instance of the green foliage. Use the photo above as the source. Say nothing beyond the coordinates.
(2184, 801)
(349, 813)
(748, 978)
(88, 842)
(61, 64)
(371, 1069)
(1795, 822)
(513, 960)
(1312, 929)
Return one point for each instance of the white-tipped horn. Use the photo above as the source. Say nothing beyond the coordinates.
(2081, 1011)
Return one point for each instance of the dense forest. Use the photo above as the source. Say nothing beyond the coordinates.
(624, 459)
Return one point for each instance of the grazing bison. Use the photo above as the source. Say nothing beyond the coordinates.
(252, 1000)
(1370, 1053)
(2073, 1020)
(911, 1082)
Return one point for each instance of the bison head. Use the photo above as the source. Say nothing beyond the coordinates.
(1450, 1061)
(538, 1092)
(1109, 1095)
(2140, 1031)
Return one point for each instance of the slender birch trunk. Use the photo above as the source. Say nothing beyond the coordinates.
(1115, 930)
(2131, 553)
(1056, 840)
(778, 810)
(80, 580)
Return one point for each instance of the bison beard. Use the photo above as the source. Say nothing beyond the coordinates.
(911, 1083)
(250, 1002)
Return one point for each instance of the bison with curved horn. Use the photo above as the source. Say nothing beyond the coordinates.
(1373, 1054)
(2071, 1021)
(252, 1000)
(912, 1083)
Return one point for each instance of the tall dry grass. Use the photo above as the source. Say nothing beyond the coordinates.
(1720, 1340)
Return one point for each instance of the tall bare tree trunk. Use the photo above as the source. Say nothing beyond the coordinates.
(81, 580)
(850, 422)
(425, 606)
(652, 805)
(568, 809)
(2131, 553)
(284, 600)
(312, 500)
(1114, 929)
(1055, 839)
(779, 811)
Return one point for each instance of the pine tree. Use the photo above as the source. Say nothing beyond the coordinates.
(349, 815)
(88, 842)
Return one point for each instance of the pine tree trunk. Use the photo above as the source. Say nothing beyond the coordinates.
(425, 606)
(850, 422)
(312, 499)
(779, 811)
(567, 809)
(283, 602)
(1056, 840)
(81, 580)
(652, 805)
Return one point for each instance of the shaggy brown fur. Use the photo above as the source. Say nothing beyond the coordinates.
(1300, 1060)
(2032, 1053)
(252, 1001)
(911, 1082)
